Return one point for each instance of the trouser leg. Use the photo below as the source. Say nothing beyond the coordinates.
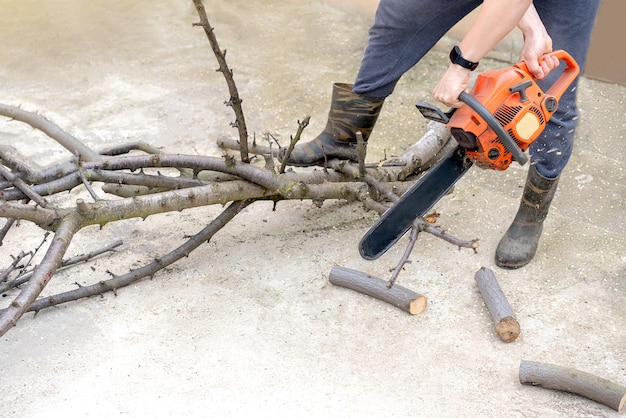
(403, 32)
(569, 24)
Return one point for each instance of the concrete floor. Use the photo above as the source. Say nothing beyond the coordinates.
(249, 325)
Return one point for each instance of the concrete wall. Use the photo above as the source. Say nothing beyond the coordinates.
(607, 54)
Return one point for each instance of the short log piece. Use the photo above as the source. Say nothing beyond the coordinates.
(507, 326)
(550, 376)
(398, 296)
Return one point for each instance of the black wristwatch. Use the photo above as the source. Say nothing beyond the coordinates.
(457, 58)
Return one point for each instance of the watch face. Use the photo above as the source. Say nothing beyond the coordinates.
(457, 58)
(454, 54)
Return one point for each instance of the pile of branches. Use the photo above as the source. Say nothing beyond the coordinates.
(127, 181)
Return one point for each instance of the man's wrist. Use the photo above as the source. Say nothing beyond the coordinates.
(456, 57)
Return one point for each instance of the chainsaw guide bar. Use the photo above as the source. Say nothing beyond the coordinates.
(414, 203)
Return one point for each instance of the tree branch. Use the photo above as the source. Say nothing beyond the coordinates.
(293, 141)
(150, 269)
(42, 274)
(52, 130)
(550, 376)
(234, 100)
(23, 187)
(507, 326)
(398, 296)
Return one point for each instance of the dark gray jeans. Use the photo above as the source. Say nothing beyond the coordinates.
(405, 30)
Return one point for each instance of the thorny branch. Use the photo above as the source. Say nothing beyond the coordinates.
(235, 100)
(148, 270)
(51, 129)
(130, 188)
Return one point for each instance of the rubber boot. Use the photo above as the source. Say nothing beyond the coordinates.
(349, 113)
(519, 244)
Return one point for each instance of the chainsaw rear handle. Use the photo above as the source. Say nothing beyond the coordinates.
(563, 82)
(508, 142)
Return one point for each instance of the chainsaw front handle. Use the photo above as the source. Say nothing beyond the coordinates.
(508, 142)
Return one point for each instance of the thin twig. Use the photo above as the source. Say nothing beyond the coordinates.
(292, 143)
(420, 225)
(85, 257)
(415, 230)
(23, 187)
(440, 233)
(92, 192)
(18, 281)
(34, 252)
(16, 260)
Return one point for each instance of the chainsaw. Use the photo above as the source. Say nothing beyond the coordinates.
(505, 112)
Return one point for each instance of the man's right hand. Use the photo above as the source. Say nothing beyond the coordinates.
(537, 43)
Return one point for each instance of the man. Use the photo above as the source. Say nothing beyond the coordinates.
(405, 30)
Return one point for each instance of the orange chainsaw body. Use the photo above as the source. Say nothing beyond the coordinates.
(523, 109)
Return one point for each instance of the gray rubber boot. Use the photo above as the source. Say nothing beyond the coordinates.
(519, 244)
(349, 113)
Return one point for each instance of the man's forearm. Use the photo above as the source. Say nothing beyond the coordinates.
(530, 22)
(495, 20)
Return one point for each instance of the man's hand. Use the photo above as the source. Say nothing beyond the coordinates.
(537, 43)
(454, 81)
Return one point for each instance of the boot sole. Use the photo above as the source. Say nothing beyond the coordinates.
(511, 266)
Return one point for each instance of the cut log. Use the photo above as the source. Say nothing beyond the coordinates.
(550, 376)
(507, 327)
(398, 296)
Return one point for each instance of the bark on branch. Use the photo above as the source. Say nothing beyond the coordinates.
(52, 130)
(148, 270)
(550, 376)
(398, 296)
(507, 327)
